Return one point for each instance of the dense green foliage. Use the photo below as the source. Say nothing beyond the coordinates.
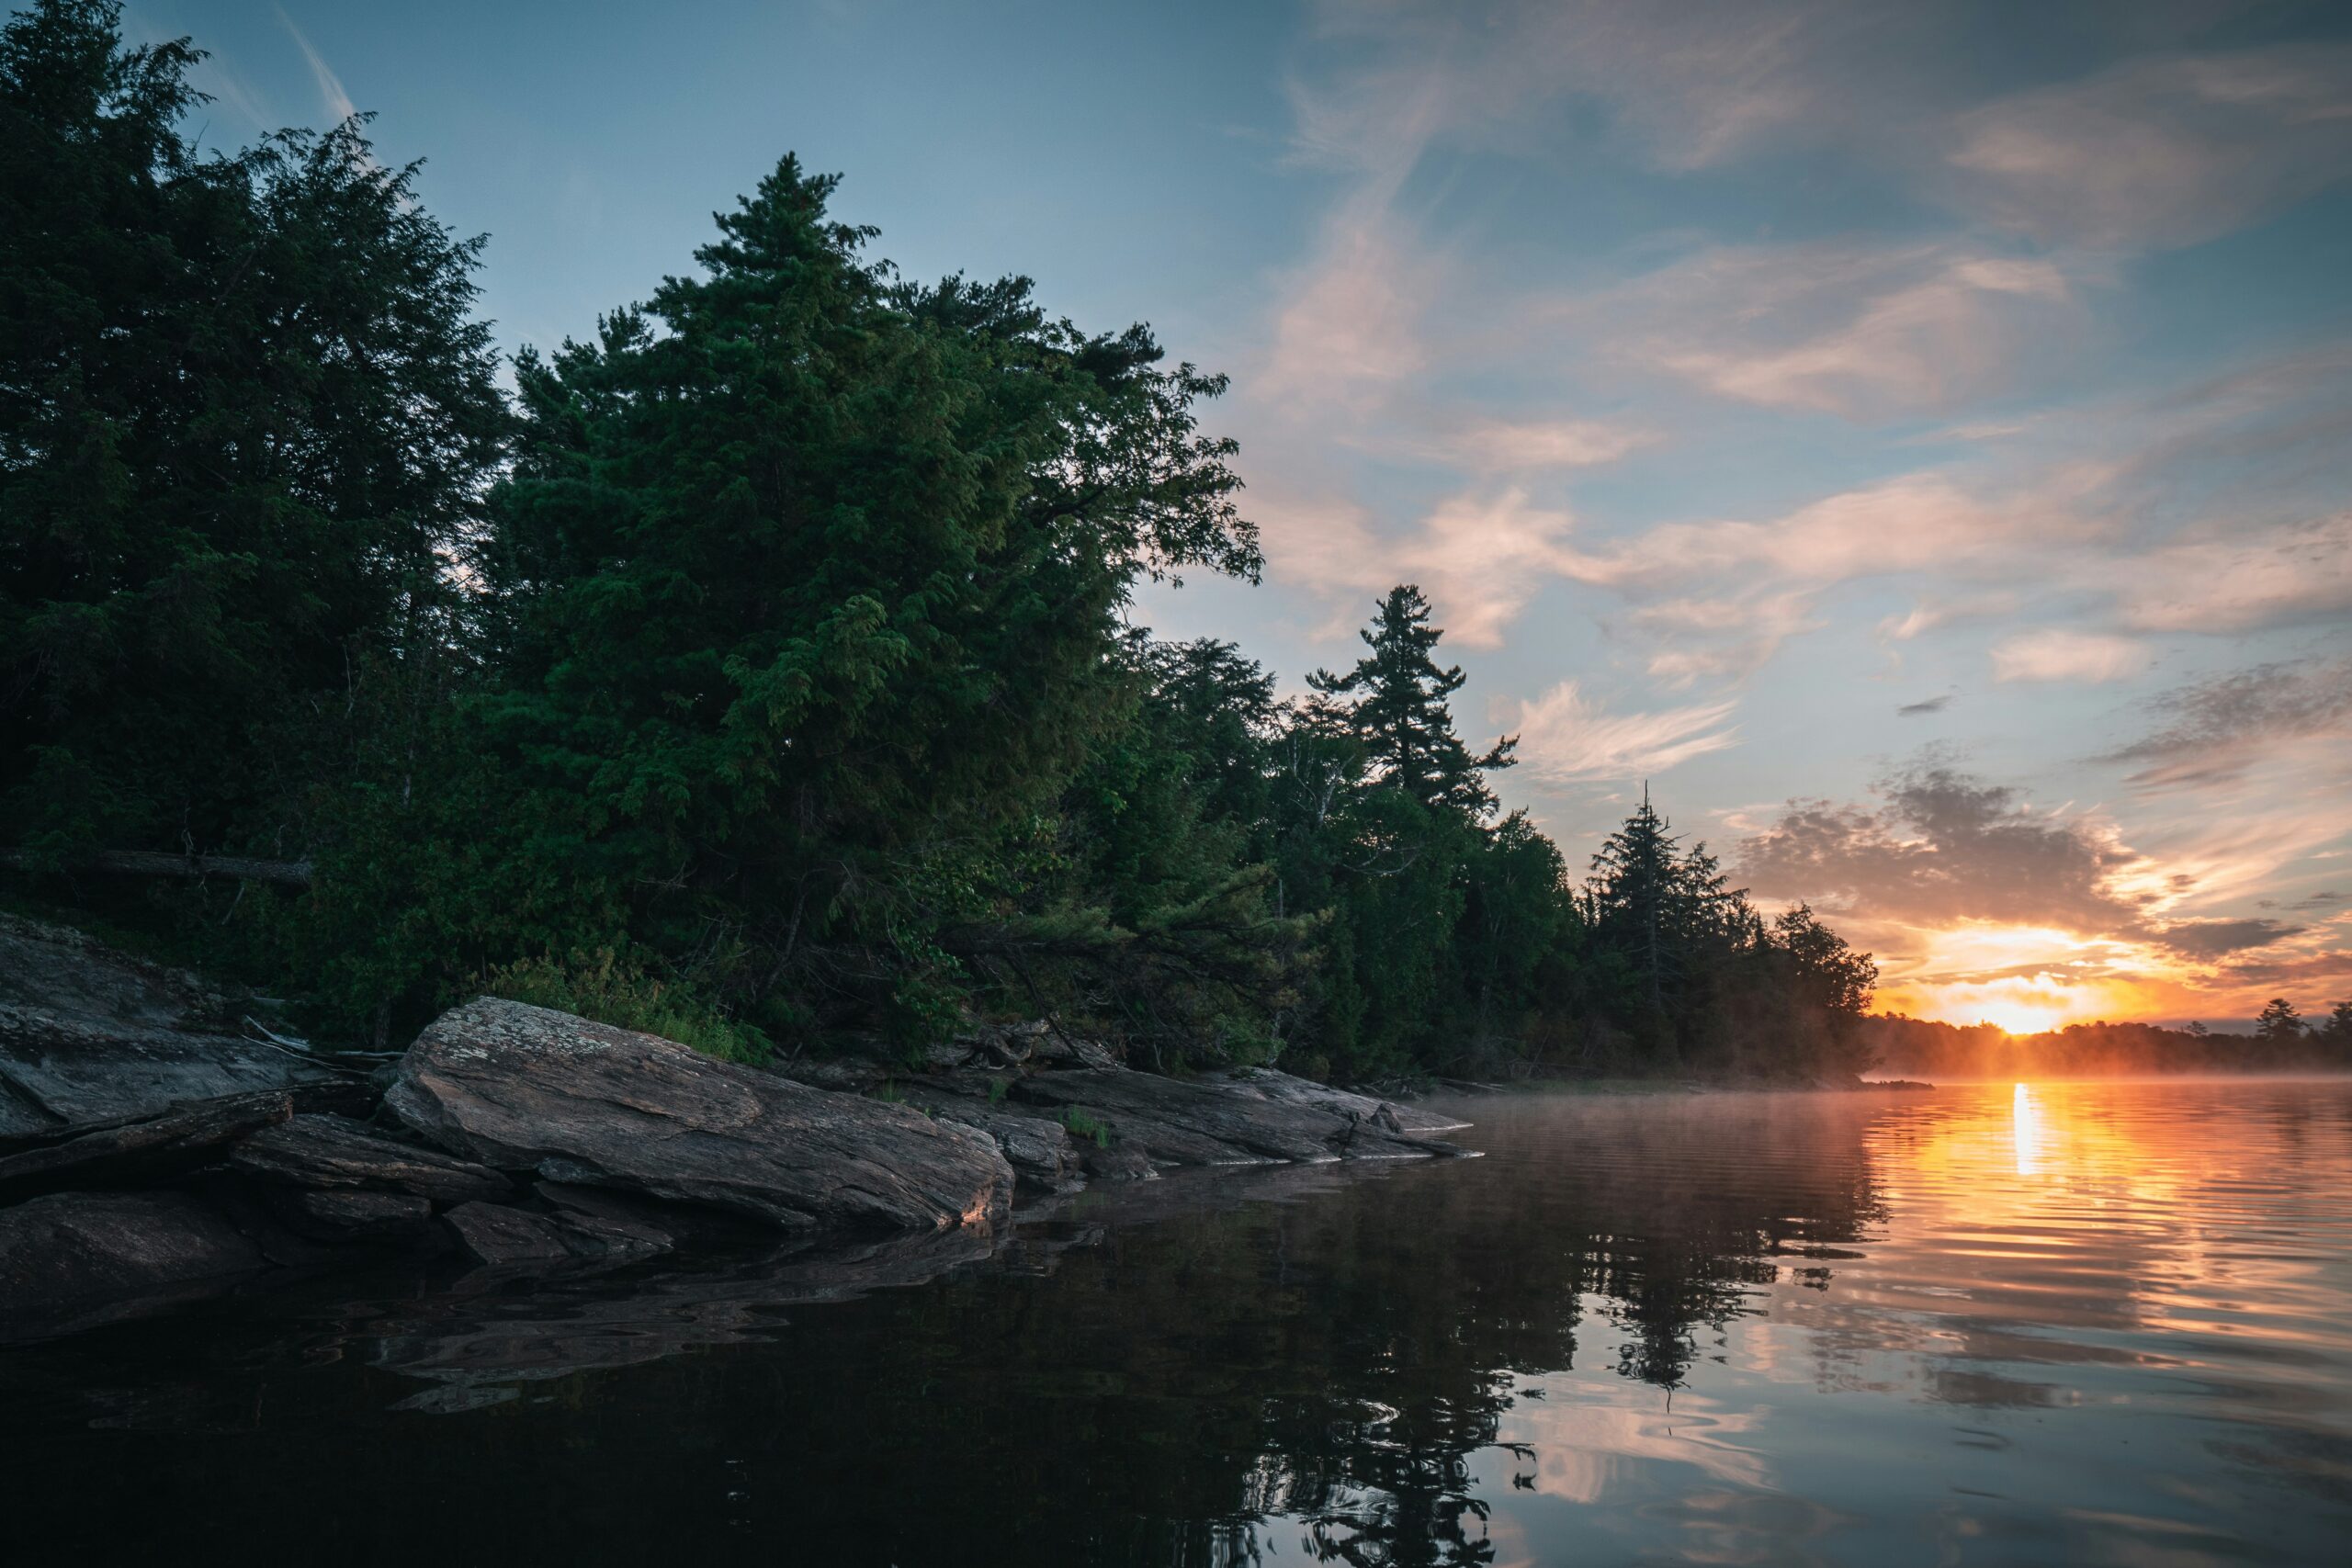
(761, 675)
(245, 411)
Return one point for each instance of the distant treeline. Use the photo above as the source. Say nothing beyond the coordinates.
(2282, 1042)
(759, 671)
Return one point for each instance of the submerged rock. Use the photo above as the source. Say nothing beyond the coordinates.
(499, 1236)
(521, 1088)
(505, 1238)
(76, 1259)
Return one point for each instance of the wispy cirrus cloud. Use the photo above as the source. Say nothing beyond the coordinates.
(1566, 737)
(331, 96)
(1930, 342)
(2225, 578)
(1523, 447)
(2160, 152)
(2057, 653)
(1481, 559)
(1730, 635)
(1861, 331)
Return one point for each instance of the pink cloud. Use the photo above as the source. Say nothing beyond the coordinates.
(1566, 737)
(2161, 152)
(2058, 654)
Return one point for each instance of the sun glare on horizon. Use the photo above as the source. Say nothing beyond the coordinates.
(2015, 1004)
(2020, 1019)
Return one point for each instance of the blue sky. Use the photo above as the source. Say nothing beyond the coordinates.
(1912, 438)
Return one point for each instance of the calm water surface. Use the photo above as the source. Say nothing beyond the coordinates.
(2040, 1323)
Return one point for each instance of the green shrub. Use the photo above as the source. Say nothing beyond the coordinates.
(1080, 1126)
(608, 988)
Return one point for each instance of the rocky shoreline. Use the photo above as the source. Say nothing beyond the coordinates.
(158, 1145)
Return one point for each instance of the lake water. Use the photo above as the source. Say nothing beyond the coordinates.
(2039, 1324)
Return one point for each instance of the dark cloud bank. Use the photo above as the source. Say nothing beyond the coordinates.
(2216, 729)
(1944, 847)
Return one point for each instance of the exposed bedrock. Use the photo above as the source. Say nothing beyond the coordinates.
(1250, 1118)
(152, 1157)
(89, 1034)
(523, 1088)
(334, 1153)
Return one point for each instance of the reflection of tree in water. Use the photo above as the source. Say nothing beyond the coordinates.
(1331, 1372)
(1673, 1213)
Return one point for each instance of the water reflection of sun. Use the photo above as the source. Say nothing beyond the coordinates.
(2025, 1129)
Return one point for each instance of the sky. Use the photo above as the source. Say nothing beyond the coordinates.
(1915, 441)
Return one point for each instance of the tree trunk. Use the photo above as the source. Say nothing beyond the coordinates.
(148, 862)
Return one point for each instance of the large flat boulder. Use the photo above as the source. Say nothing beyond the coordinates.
(521, 1088)
(73, 1259)
(89, 1034)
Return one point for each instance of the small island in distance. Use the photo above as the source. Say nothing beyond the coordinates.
(2280, 1041)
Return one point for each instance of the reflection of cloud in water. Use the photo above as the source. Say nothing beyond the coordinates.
(1588, 1444)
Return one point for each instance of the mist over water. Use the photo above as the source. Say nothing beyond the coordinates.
(2003, 1322)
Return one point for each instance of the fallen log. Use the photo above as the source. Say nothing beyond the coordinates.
(151, 863)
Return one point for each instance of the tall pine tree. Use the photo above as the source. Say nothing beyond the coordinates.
(1400, 717)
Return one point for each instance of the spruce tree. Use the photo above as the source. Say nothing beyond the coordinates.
(1664, 911)
(246, 415)
(2279, 1024)
(1400, 715)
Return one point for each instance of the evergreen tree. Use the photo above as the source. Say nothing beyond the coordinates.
(810, 579)
(2336, 1034)
(1400, 714)
(1644, 903)
(1828, 985)
(782, 680)
(246, 421)
(2278, 1023)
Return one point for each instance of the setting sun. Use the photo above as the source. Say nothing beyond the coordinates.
(2019, 1018)
(2018, 1004)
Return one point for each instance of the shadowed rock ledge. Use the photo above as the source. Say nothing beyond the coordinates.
(153, 1159)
